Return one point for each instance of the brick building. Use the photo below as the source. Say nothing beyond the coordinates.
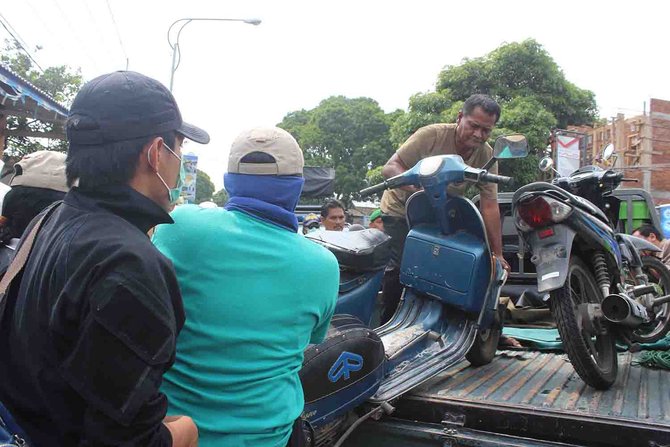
(660, 155)
(642, 145)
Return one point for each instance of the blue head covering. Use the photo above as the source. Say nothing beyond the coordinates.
(266, 197)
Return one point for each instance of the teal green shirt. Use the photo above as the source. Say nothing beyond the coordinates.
(255, 296)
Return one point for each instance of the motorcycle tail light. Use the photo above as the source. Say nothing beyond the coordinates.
(540, 212)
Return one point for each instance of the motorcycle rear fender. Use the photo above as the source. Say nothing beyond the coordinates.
(551, 257)
(638, 243)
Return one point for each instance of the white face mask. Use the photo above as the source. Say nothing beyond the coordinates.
(174, 193)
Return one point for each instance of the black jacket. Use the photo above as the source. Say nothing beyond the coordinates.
(92, 326)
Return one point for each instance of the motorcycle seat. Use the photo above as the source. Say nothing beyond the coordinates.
(357, 250)
(561, 194)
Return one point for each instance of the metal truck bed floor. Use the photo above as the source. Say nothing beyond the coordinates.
(539, 396)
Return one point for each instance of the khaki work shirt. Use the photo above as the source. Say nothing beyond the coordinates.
(664, 255)
(436, 139)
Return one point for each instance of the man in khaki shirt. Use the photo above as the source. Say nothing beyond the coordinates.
(467, 138)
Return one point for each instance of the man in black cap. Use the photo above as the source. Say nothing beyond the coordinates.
(91, 326)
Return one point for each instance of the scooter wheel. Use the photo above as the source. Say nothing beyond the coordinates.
(486, 343)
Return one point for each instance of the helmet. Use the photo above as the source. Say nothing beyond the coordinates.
(311, 221)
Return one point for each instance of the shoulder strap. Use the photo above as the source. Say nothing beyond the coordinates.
(21, 257)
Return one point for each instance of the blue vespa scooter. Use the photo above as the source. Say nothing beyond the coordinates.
(449, 309)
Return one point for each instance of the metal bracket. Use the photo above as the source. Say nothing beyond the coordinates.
(453, 419)
(588, 313)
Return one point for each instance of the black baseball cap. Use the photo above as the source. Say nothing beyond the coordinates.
(125, 105)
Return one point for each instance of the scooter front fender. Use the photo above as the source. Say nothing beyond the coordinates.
(551, 256)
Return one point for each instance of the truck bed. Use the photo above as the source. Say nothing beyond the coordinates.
(538, 396)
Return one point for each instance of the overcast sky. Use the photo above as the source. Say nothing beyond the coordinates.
(234, 76)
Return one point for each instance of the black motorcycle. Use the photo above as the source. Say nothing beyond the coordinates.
(598, 286)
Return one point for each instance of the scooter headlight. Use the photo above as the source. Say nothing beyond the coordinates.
(430, 166)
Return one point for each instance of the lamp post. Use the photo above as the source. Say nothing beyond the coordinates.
(185, 21)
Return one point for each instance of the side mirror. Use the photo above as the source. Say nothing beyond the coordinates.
(510, 146)
(608, 152)
(546, 164)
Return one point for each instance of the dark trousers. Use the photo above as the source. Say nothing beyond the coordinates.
(302, 434)
(396, 227)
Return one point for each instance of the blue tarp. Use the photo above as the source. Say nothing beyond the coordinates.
(547, 339)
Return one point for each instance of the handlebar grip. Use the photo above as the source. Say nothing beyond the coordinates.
(495, 178)
(373, 189)
(630, 180)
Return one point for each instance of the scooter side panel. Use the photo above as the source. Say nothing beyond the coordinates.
(454, 268)
(359, 299)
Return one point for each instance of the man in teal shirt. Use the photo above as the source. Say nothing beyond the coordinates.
(255, 293)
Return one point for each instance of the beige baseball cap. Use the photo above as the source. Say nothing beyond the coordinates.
(265, 151)
(41, 169)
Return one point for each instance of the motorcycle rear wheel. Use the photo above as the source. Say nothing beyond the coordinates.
(594, 357)
(657, 273)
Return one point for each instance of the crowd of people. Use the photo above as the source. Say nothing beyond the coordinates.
(112, 338)
(195, 336)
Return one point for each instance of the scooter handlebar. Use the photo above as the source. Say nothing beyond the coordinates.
(495, 178)
(379, 187)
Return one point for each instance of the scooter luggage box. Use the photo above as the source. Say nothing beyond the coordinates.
(454, 268)
(363, 250)
(342, 372)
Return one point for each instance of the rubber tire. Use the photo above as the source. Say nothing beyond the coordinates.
(656, 264)
(575, 346)
(484, 348)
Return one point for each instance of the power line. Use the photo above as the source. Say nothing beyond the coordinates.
(94, 22)
(46, 26)
(13, 32)
(118, 33)
(19, 41)
(75, 34)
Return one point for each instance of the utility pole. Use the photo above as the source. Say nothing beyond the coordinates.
(647, 149)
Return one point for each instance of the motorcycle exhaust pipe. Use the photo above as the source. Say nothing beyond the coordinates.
(620, 309)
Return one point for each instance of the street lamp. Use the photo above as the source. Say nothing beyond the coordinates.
(186, 21)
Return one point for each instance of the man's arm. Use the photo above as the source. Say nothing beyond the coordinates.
(491, 216)
(125, 345)
(395, 166)
(409, 154)
(183, 431)
(665, 253)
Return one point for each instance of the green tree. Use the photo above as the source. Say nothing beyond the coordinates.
(344, 133)
(530, 88)
(61, 83)
(204, 188)
(220, 197)
(521, 69)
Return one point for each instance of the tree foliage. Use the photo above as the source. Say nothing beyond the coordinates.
(204, 188)
(220, 197)
(61, 83)
(347, 134)
(521, 69)
(527, 83)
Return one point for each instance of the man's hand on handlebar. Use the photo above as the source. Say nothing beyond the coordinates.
(504, 263)
(411, 188)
